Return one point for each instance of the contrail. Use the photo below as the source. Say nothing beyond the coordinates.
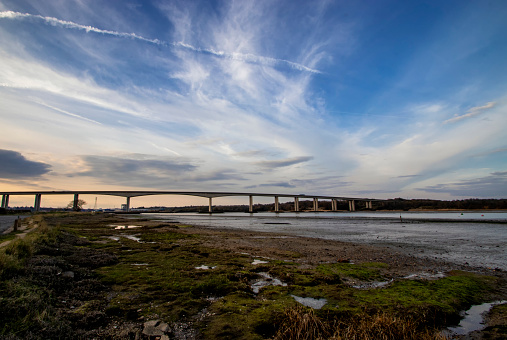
(68, 113)
(69, 24)
(248, 58)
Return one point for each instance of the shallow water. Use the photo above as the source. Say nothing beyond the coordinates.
(310, 302)
(267, 280)
(474, 318)
(436, 235)
(121, 227)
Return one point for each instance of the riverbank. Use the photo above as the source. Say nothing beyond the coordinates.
(102, 275)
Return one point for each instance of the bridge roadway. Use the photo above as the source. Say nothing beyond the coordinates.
(208, 194)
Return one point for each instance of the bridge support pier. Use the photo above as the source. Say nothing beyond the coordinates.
(75, 206)
(210, 207)
(250, 204)
(36, 205)
(352, 205)
(5, 201)
(333, 205)
(276, 204)
(315, 204)
(127, 205)
(296, 204)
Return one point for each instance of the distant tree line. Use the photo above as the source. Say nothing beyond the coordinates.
(467, 204)
(391, 204)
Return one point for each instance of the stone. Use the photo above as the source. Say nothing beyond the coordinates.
(152, 331)
(69, 274)
(164, 327)
(155, 328)
(151, 323)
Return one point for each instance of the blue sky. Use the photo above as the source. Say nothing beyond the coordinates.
(350, 98)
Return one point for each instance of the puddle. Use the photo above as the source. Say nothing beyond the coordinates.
(425, 276)
(121, 227)
(114, 238)
(259, 262)
(203, 267)
(374, 284)
(310, 302)
(267, 281)
(416, 276)
(133, 238)
(474, 318)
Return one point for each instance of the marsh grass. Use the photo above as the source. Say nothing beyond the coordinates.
(158, 278)
(24, 305)
(302, 323)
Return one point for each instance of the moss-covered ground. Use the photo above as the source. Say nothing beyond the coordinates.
(162, 271)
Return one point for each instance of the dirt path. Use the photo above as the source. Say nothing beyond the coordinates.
(27, 225)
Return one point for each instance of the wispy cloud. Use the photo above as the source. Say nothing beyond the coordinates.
(243, 57)
(283, 162)
(492, 186)
(278, 184)
(474, 111)
(140, 165)
(247, 57)
(142, 170)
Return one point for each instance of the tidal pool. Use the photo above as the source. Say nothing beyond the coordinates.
(474, 318)
(310, 302)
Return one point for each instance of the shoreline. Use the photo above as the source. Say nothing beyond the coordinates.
(476, 243)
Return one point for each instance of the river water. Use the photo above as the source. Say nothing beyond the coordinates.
(473, 238)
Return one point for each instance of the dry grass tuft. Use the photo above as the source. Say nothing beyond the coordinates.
(383, 326)
(299, 323)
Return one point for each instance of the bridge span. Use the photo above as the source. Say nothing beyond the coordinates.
(207, 194)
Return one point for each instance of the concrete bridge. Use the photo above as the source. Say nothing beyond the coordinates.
(209, 194)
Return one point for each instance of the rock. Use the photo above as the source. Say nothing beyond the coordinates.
(163, 327)
(151, 323)
(152, 331)
(69, 274)
(155, 328)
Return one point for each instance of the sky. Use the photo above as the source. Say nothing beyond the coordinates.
(378, 99)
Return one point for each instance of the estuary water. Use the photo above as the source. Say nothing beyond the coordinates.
(473, 238)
